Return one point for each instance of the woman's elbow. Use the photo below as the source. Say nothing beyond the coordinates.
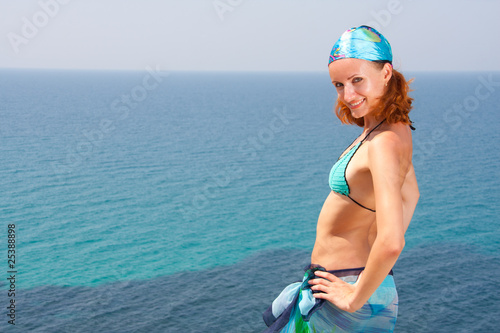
(398, 246)
(394, 246)
(416, 193)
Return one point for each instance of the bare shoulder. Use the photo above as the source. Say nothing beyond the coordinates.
(392, 137)
(392, 147)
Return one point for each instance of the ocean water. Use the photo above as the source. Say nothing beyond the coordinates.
(185, 202)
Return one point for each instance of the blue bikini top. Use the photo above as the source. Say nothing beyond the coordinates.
(337, 180)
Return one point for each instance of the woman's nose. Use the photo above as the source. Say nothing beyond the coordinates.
(349, 93)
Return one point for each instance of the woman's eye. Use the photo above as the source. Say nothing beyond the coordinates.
(338, 85)
(357, 79)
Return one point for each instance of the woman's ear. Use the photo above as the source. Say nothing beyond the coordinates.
(387, 70)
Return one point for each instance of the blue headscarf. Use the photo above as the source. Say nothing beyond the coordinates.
(362, 43)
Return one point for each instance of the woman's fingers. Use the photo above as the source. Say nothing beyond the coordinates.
(325, 278)
(326, 282)
(333, 289)
(325, 275)
(320, 287)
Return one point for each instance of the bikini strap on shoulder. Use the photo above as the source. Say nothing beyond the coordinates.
(373, 129)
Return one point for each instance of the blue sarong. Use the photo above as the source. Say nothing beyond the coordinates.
(297, 310)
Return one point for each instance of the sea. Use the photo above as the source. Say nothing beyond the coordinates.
(165, 201)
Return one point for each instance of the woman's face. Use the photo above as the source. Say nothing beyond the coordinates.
(359, 83)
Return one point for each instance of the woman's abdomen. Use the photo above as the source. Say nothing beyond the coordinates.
(342, 234)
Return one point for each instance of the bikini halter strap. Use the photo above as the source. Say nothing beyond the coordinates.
(373, 129)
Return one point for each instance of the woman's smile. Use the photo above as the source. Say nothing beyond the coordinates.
(356, 104)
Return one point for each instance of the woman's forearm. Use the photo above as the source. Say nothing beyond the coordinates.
(382, 258)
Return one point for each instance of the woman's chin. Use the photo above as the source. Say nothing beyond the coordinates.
(356, 115)
(359, 113)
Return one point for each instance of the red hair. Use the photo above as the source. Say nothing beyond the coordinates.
(394, 105)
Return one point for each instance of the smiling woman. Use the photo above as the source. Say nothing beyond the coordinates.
(349, 286)
(393, 101)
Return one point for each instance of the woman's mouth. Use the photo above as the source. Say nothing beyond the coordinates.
(356, 104)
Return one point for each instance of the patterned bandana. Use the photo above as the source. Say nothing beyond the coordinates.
(361, 43)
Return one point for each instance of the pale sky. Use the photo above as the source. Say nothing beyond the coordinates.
(243, 35)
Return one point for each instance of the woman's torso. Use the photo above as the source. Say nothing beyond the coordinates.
(346, 225)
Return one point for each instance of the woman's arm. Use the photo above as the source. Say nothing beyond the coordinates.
(410, 194)
(386, 163)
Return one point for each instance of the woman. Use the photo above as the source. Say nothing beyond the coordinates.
(349, 286)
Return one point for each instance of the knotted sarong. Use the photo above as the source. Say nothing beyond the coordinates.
(297, 310)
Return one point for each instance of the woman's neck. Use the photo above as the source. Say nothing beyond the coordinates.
(371, 123)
